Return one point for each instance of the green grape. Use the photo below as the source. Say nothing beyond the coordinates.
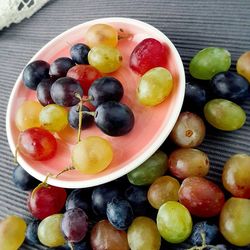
(99, 34)
(12, 232)
(150, 170)
(163, 189)
(49, 231)
(243, 65)
(104, 58)
(224, 114)
(154, 86)
(143, 234)
(208, 62)
(54, 117)
(174, 222)
(92, 155)
(235, 221)
(27, 115)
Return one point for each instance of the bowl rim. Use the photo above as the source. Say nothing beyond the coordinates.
(146, 154)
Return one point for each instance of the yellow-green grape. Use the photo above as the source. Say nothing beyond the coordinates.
(49, 231)
(12, 233)
(92, 155)
(27, 115)
(143, 234)
(174, 222)
(154, 86)
(102, 34)
(105, 58)
(54, 117)
(243, 65)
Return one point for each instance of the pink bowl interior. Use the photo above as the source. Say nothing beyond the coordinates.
(152, 124)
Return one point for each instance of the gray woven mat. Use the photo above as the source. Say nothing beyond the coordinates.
(190, 24)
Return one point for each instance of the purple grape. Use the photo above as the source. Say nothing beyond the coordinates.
(60, 67)
(31, 232)
(43, 91)
(74, 224)
(34, 73)
(79, 53)
(63, 91)
(105, 89)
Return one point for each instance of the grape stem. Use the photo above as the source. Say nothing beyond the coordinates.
(71, 245)
(42, 184)
(89, 112)
(64, 170)
(80, 117)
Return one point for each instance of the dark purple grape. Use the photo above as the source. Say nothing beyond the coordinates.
(120, 213)
(230, 85)
(114, 119)
(23, 180)
(105, 89)
(60, 67)
(74, 224)
(31, 233)
(210, 231)
(101, 196)
(34, 73)
(83, 245)
(79, 53)
(73, 117)
(63, 91)
(43, 91)
(78, 198)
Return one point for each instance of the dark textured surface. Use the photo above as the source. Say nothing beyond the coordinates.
(190, 24)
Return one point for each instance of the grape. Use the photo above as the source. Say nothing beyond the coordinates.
(101, 195)
(143, 234)
(60, 67)
(242, 65)
(92, 155)
(12, 232)
(148, 54)
(74, 224)
(73, 117)
(104, 58)
(163, 189)
(174, 222)
(230, 85)
(185, 162)
(37, 144)
(150, 170)
(34, 72)
(79, 53)
(83, 245)
(114, 119)
(85, 75)
(210, 232)
(208, 62)
(224, 115)
(43, 91)
(64, 90)
(105, 236)
(119, 213)
(137, 197)
(27, 115)
(235, 221)
(31, 232)
(236, 175)
(99, 34)
(154, 86)
(105, 89)
(23, 180)
(189, 130)
(78, 198)
(46, 200)
(195, 97)
(53, 117)
(201, 197)
(49, 231)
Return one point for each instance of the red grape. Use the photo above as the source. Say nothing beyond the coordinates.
(46, 200)
(201, 197)
(37, 144)
(148, 54)
(85, 75)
